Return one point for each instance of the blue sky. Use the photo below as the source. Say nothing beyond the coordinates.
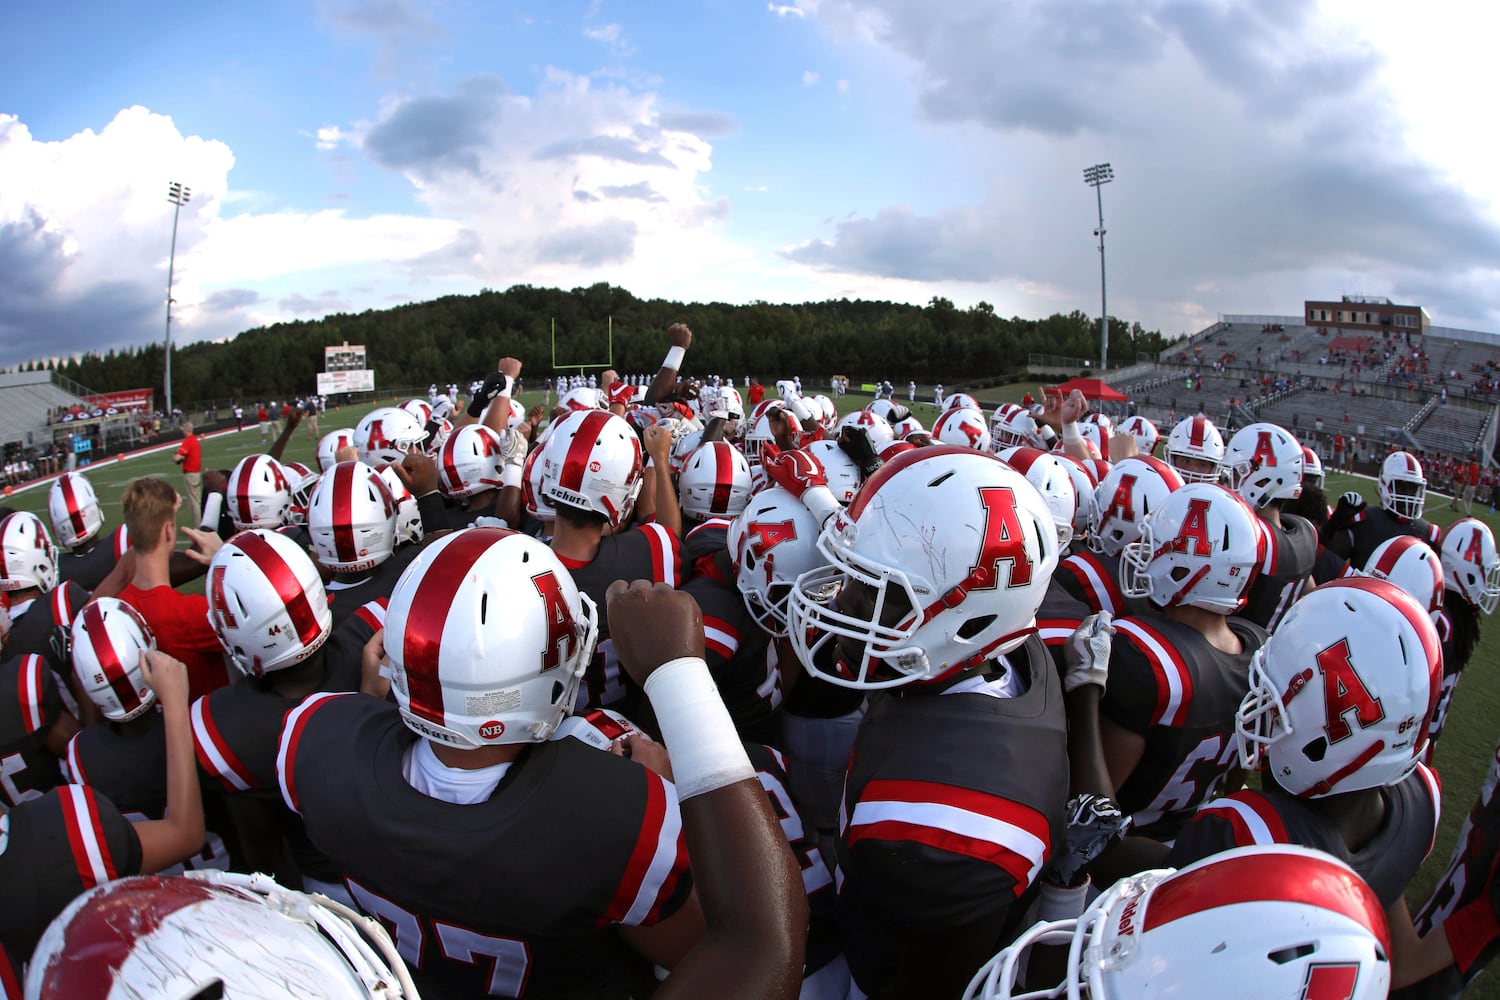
(358, 153)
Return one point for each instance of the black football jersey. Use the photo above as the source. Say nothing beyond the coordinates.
(1328, 565)
(1271, 816)
(1374, 525)
(57, 847)
(29, 706)
(350, 597)
(950, 808)
(645, 552)
(1458, 628)
(1291, 552)
(88, 569)
(742, 660)
(129, 766)
(1169, 685)
(702, 543)
(36, 630)
(1058, 618)
(513, 896)
(1467, 898)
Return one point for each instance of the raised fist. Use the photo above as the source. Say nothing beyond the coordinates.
(651, 625)
(794, 471)
(679, 335)
(621, 393)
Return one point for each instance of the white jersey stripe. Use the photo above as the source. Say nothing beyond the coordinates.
(1259, 832)
(1170, 669)
(952, 819)
(662, 863)
(204, 740)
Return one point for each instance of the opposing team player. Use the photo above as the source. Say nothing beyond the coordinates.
(451, 815)
(1265, 469)
(958, 780)
(1175, 678)
(78, 522)
(1278, 923)
(1355, 529)
(1338, 712)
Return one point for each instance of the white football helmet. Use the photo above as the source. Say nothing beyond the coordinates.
(1470, 563)
(887, 409)
(1312, 468)
(962, 429)
(517, 414)
(266, 602)
(258, 494)
(74, 509)
(471, 461)
(352, 519)
(759, 432)
(911, 425)
(27, 556)
(1276, 922)
(1144, 431)
(772, 543)
(1012, 426)
(583, 399)
(959, 401)
(442, 430)
(593, 462)
(1084, 484)
(828, 414)
(408, 517)
(1049, 474)
(330, 444)
(731, 403)
(214, 933)
(1195, 448)
(1410, 564)
(1202, 548)
(1264, 463)
(419, 408)
(532, 500)
(300, 480)
(879, 428)
(386, 434)
(1402, 487)
(1096, 428)
(488, 638)
(109, 638)
(1134, 490)
(1341, 695)
(683, 447)
(715, 481)
(844, 476)
(910, 616)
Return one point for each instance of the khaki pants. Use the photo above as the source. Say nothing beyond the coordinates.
(194, 481)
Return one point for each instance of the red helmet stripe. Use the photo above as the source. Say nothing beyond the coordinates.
(723, 477)
(242, 493)
(284, 580)
(1196, 432)
(576, 462)
(343, 512)
(1393, 553)
(428, 614)
(1272, 876)
(75, 513)
(109, 658)
(451, 477)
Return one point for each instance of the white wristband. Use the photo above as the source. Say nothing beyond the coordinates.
(510, 475)
(1056, 902)
(821, 502)
(1071, 434)
(696, 728)
(674, 358)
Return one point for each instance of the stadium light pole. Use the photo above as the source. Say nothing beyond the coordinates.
(178, 196)
(1096, 177)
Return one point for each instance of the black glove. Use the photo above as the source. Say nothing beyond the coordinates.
(1094, 822)
(1349, 504)
(60, 644)
(495, 384)
(855, 442)
(899, 413)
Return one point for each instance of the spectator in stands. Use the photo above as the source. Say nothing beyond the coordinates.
(190, 457)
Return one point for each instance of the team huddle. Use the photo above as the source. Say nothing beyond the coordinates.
(654, 695)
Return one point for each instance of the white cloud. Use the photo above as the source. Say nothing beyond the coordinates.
(329, 137)
(809, 77)
(786, 10)
(843, 86)
(609, 34)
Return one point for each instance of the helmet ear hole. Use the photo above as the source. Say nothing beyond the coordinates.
(974, 626)
(1316, 750)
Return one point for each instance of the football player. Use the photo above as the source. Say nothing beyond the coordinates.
(451, 813)
(351, 519)
(1195, 448)
(1338, 711)
(41, 606)
(1355, 529)
(1279, 923)
(1471, 581)
(1175, 678)
(72, 839)
(1265, 469)
(35, 726)
(958, 778)
(79, 525)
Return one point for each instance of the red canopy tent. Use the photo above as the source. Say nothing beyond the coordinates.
(1092, 388)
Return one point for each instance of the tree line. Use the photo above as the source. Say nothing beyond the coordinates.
(459, 337)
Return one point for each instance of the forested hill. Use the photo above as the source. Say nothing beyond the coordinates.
(460, 336)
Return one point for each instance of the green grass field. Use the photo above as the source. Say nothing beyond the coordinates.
(1462, 760)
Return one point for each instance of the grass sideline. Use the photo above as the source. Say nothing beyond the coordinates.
(1462, 760)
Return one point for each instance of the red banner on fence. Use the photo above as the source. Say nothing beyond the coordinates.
(126, 399)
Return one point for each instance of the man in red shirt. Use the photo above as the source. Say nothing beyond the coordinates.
(264, 417)
(190, 457)
(179, 621)
(757, 393)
